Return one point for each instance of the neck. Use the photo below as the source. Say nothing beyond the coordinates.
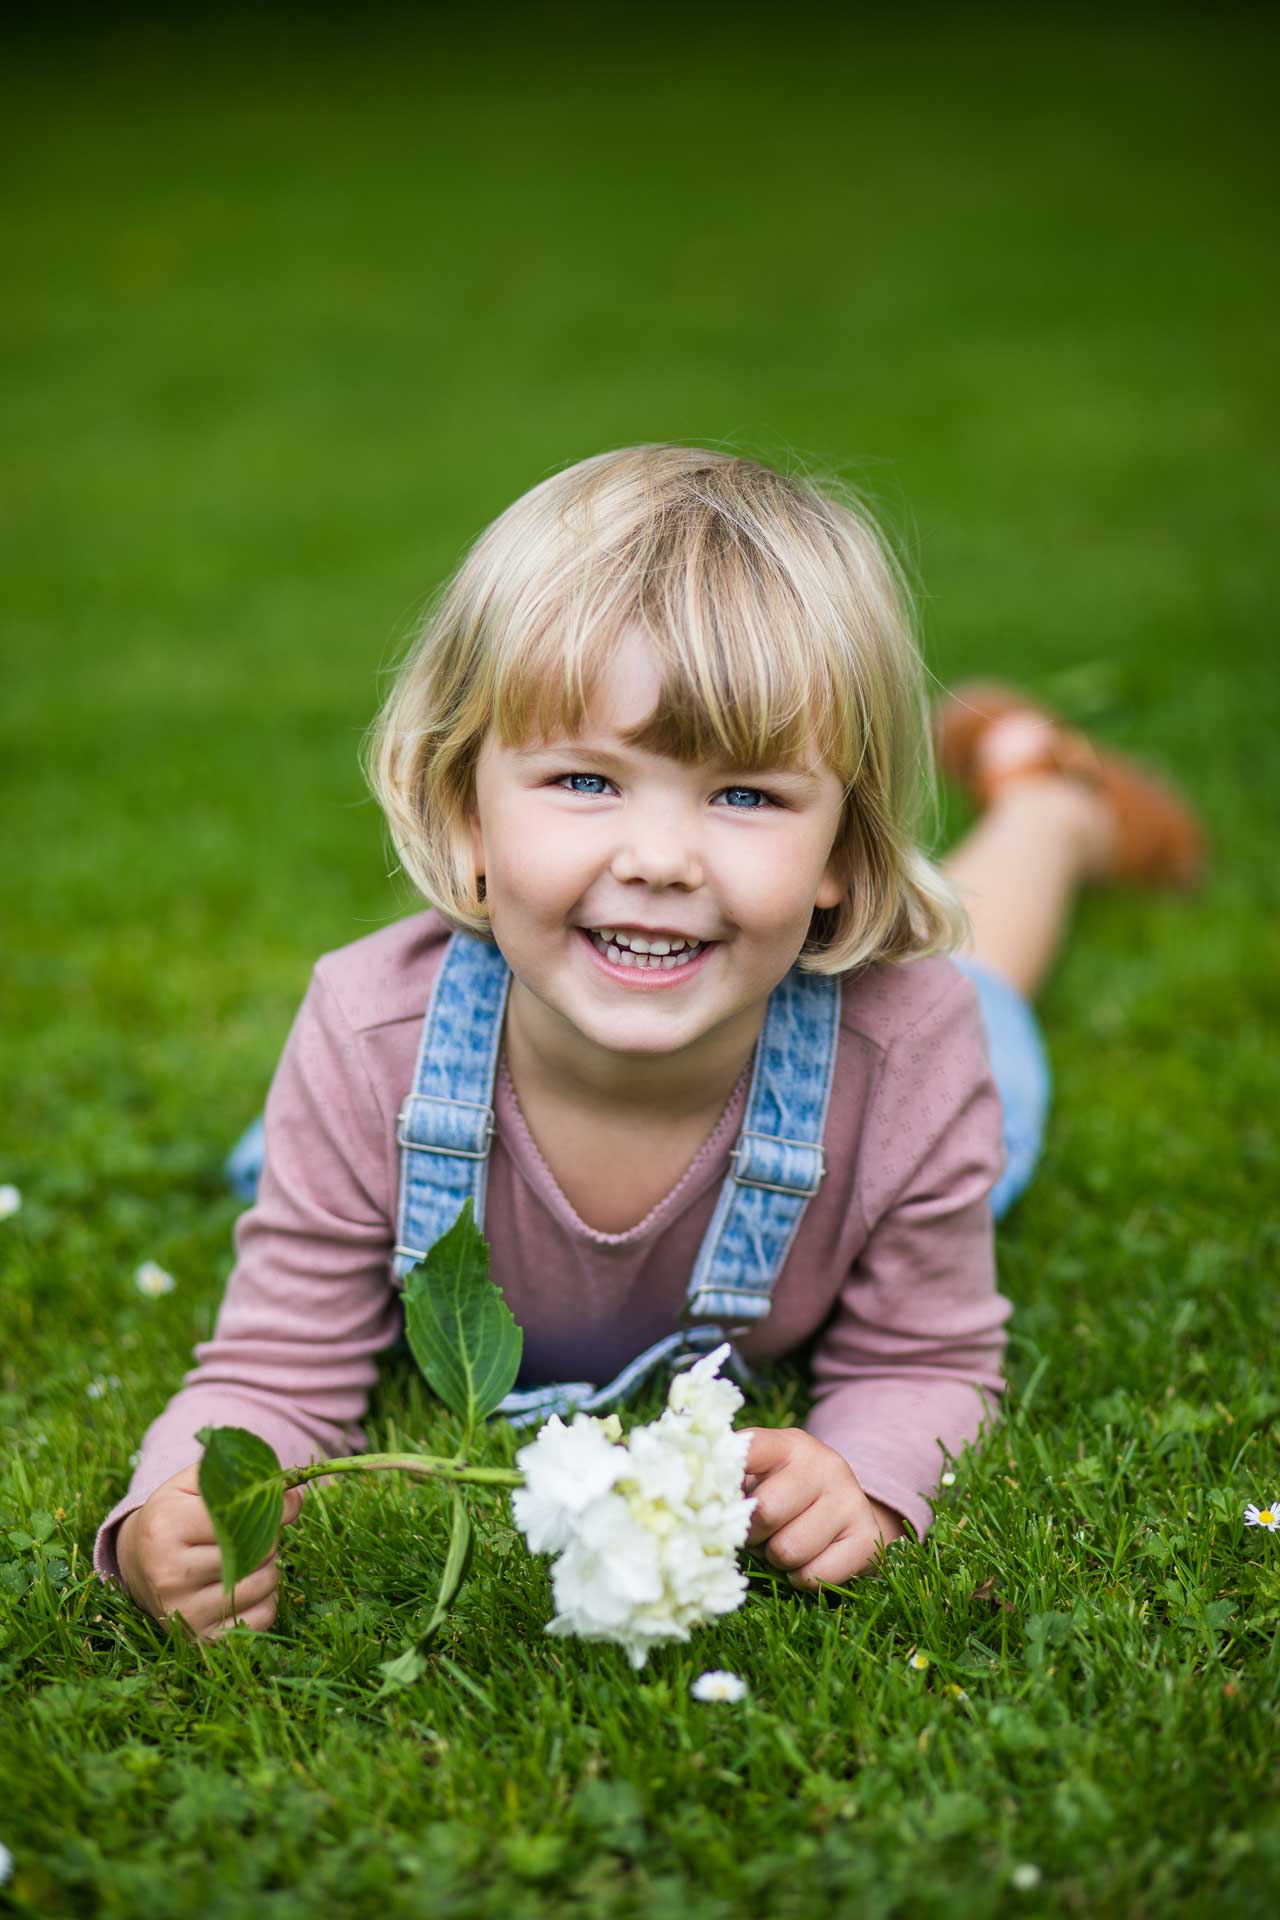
(545, 1052)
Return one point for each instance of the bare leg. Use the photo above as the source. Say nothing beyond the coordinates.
(1019, 868)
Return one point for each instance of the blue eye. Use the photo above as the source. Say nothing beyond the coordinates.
(741, 799)
(591, 793)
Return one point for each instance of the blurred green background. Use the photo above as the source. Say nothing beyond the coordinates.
(297, 306)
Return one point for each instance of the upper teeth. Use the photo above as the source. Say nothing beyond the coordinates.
(639, 944)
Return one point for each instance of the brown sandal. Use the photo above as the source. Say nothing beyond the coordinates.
(983, 748)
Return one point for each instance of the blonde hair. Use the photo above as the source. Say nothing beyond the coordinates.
(780, 619)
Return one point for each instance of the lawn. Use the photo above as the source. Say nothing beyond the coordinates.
(293, 310)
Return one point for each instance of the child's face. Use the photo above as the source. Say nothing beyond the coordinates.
(574, 835)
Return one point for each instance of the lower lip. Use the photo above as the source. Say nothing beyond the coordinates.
(649, 979)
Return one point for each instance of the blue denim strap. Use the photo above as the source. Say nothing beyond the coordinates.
(526, 1406)
(776, 1166)
(446, 1122)
(778, 1163)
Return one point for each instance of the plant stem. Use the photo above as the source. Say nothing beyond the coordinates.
(424, 1465)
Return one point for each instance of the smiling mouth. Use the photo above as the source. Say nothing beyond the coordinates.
(660, 954)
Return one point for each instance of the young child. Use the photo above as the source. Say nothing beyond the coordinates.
(679, 1017)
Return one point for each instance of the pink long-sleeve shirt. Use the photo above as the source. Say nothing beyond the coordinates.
(892, 1268)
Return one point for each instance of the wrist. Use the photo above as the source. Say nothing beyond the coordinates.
(123, 1544)
(891, 1524)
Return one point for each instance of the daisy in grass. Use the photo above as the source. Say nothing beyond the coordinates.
(918, 1662)
(6, 1863)
(718, 1685)
(10, 1201)
(152, 1280)
(1268, 1516)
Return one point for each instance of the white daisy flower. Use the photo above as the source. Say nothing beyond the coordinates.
(1026, 1877)
(1268, 1517)
(718, 1685)
(6, 1864)
(96, 1388)
(948, 1480)
(918, 1661)
(10, 1201)
(153, 1280)
(954, 1691)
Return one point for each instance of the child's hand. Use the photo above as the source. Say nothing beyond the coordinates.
(818, 1522)
(171, 1564)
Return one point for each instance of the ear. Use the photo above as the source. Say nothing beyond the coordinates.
(833, 888)
(475, 839)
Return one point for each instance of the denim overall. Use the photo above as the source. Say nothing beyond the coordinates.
(775, 1169)
(777, 1165)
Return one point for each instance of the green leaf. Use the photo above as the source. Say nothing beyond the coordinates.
(457, 1563)
(402, 1672)
(459, 1328)
(410, 1665)
(242, 1484)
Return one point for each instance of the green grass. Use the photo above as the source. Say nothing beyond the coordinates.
(292, 313)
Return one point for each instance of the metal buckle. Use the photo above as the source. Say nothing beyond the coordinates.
(422, 1146)
(773, 1186)
(735, 1330)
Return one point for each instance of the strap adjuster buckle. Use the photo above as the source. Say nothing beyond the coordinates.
(439, 1100)
(805, 1192)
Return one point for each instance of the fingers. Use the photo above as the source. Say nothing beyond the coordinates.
(796, 1542)
(771, 1448)
(779, 1500)
(207, 1611)
(196, 1526)
(259, 1617)
(202, 1567)
(191, 1518)
(842, 1561)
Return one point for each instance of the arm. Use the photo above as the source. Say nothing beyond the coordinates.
(309, 1303)
(915, 1343)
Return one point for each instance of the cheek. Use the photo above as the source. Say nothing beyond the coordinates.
(780, 891)
(536, 862)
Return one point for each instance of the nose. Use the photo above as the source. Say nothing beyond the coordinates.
(657, 846)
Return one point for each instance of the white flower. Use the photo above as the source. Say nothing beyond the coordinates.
(718, 1685)
(10, 1201)
(565, 1469)
(647, 1528)
(96, 1388)
(1268, 1516)
(1026, 1877)
(918, 1662)
(153, 1280)
(707, 1402)
(948, 1480)
(6, 1864)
